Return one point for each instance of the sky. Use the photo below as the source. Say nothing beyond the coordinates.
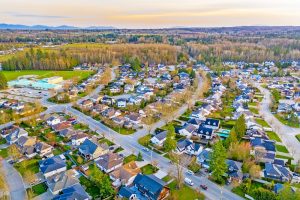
(150, 13)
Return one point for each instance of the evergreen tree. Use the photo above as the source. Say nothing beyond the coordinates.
(3, 81)
(217, 163)
(240, 127)
(232, 138)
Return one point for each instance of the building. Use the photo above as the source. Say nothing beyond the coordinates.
(52, 166)
(109, 162)
(90, 150)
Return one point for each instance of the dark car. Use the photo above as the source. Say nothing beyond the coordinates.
(204, 187)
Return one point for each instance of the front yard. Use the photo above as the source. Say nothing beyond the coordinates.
(39, 189)
(273, 136)
(28, 165)
(130, 158)
(262, 122)
(281, 148)
(185, 192)
(149, 169)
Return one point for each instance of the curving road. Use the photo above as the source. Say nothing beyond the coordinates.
(286, 133)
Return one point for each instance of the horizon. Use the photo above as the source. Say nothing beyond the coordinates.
(142, 14)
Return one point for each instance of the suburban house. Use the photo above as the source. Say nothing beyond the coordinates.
(61, 126)
(90, 150)
(121, 103)
(234, 171)
(194, 149)
(277, 172)
(87, 104)
(134, 118)
(43, 148)
(53, 120)
(52, 166)
(182, 145)
(74, 192)
(212, 123)
(78, 138)
(109, 162)
(204, 157)
(14, 134)
(127, 193)
(151, 187)
(187, 130)
(26, 146)
(125, 174)
(159, 138)
(205, 132)
(58, 182)
(264, 150)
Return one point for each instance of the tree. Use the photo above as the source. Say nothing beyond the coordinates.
(102, 182)
(254, 171)
(240, 127)
(218, 165)
(263, 194)
(169, 144)
(139, 157)
(286, 193)
(239, 151)
(232, 138)
(14, 152)
(180, 162)
(3, 81)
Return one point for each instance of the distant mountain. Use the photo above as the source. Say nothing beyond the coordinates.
(44, 27)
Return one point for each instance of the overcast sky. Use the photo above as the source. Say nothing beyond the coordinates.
(150, 13)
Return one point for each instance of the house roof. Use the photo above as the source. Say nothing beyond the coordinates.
(74, 192)
(161, 136)
(269, 145)
(151, 183)
(205, 131)
(51, 164)
(109, 160)
(126, 192)
(212, 122)
(126, 171)
(61, 181)
(189, 128)
(88, 147)
(181, 144)
(194, 121)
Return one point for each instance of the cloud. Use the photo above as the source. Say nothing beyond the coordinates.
(39, 16)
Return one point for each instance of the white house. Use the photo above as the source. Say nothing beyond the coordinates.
(159, 138)
(53, 120)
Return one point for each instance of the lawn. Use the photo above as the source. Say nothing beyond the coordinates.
(227, 124)
(90, 187)
(252, 104)
(298, 137)
(130, 158)
(39, 189)
(184, 193)
(149, 169)
(3, 153)
(12, 75)
(284, 157)
(108, 142)
(31, 165)
(273, 136)
(145, 140)
(281, 148)
(254, 110)
(2, 141)
(287, 122)
(123, 131)
(262, 122)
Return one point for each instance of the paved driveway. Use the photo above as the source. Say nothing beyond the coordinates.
(14, 181)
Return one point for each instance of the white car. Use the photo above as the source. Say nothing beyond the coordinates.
(146, 149)
(189, 172)
(188, 181)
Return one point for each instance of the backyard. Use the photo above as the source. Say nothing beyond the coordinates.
(39, 189)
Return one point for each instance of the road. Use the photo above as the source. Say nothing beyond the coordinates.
(286, 133)
(130, 143)
(14, 181)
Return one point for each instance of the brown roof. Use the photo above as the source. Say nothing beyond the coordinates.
(109, 160)
(61, 126)
(126, 171)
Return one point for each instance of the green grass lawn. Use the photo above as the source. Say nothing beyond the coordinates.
(262, 122)
(298, 137)
(3, 153)
(31, 165)
(284, 157)
(39, 189)
(149, 169)
(254, 110)
(123, 131)
(252, 104)
(185, 192)
(287, 122)
(228, 124)
(12, 75)
(281, 148)
(273, 136)
(90, 187)
(130, 158)
(108, 142)
(2, 141)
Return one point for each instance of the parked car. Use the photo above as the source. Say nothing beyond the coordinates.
(188, 181)
(146, 149)
(190, 172)
(204, 187)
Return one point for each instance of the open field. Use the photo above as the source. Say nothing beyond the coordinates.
(12, 75)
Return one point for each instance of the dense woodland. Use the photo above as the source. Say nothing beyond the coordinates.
(67, 56)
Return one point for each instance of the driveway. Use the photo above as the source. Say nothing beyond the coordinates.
(14, 181)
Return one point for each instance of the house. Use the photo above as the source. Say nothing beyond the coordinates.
(52, 166)
(60, 181)
(151, 187)
(159, 138)
(277, 172)
(43, 149)
(110, 113)
(264, 150)
(109, 162)
(194, 149)
(71, 193)
(125, 174)
(134, 118)
(87, 104)
(68, 132)
(121, 103)
(90, 150)
(187, 130)
(61, 126)
(14, 134)
(99, 108)
(194, 121)
(26, 146)
(204, 158)
(78, 138)
(107, 100)
(182, 145)
(127, 193)
(205, 132)
(53, 120)
(212, 123)
(128, 88)
(234, 171)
